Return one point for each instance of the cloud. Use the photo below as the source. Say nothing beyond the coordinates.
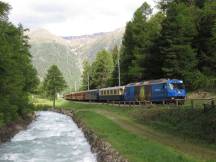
(73, 17)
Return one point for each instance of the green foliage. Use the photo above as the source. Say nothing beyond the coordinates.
(177, 42)
(137, 44)
(179, 57)
(54, 83)
(206, 40)
(86, 75)
(4, 10)
(102, 69)
(115, 74)
(99, 73)
(17, 75)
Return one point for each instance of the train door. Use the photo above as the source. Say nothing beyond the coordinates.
(148, 92)
(132, 93)
(129, 93)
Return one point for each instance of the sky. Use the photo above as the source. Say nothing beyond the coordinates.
(74, 17)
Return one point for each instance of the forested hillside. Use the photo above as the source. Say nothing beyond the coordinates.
(179, 41)
(68, 53)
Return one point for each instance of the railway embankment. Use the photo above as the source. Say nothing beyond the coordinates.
(104, 151)
(9, 130)
(196, 124)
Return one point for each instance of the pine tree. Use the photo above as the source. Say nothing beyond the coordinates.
(102, 69)
(17, 75)
(135, 45)
(54, 83)
(115, 73)
(126, 56)
(138, 61)
(206, 40)
(86, 75)
(4, 10)
(178, 32)
(153, 60)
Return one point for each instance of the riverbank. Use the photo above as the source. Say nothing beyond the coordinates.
(135, 140)
(9, 130)
(102, 149)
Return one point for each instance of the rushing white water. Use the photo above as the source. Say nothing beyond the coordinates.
(53, 137)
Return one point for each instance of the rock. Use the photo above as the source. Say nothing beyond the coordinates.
(9, 130)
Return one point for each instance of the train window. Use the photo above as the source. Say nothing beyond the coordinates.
(171, 86)
(120, 91)
(178, 85)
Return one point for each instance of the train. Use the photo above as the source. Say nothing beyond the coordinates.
(161, 90)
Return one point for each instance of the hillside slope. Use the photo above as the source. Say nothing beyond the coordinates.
(68, 53)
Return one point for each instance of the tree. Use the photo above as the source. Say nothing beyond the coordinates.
(205, 42)
(135, 45)
(115, 73)
(86, 75)
(4, 10)
(54, 83)
(177, 35)
(139, 45)
(153, 60)
(102, 69)
(17, 75)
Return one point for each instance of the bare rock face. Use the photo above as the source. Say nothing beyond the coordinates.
(104, 150)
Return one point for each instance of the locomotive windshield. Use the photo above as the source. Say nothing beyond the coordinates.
(176, 86)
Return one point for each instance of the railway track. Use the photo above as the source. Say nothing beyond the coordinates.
(128, 103)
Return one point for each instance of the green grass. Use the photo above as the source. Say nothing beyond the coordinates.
(124, 128)
(190, 123)
(131, 146)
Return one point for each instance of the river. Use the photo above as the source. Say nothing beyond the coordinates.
(52, 137)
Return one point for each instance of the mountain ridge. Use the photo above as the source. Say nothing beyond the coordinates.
(68, 53)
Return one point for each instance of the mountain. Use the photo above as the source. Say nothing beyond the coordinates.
(68, 53)
(88, 45)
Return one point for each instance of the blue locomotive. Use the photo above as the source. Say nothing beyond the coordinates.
(161, 90)
(155, 90)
